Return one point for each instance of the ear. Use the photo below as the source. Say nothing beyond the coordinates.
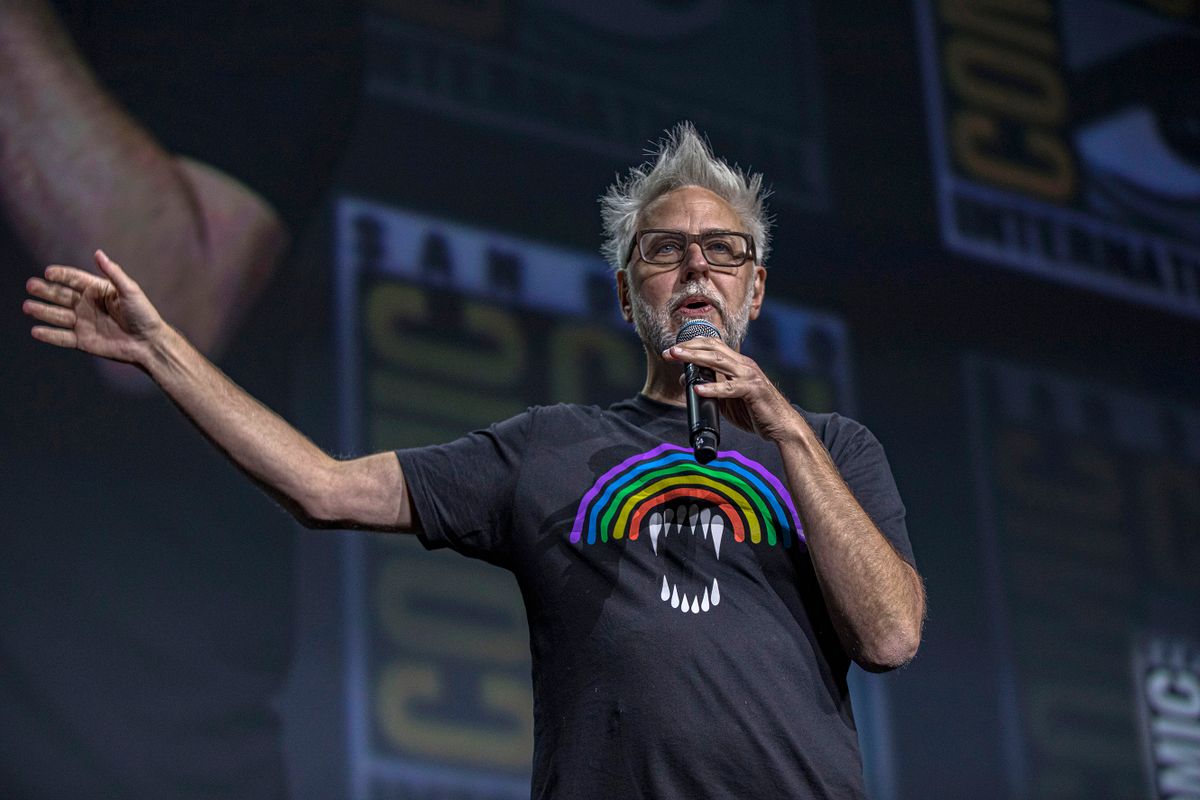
(623, 295)
(759, 289)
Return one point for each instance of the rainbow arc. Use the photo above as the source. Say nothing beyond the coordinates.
(752, 499)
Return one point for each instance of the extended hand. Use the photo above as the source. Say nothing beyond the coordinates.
(746, 395)
(106, 316)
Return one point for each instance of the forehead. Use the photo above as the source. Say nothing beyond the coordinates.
(690, 209)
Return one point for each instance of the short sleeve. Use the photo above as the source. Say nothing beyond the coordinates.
(463, 491)
(860, 458)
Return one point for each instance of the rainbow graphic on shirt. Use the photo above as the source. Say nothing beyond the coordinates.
(749, 498)
(686, 509)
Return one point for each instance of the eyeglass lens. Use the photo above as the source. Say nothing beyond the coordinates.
(725, 249)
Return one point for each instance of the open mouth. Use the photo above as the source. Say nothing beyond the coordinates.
(694, 306)
(687, 539)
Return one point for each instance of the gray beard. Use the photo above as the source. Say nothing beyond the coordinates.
(653, 325)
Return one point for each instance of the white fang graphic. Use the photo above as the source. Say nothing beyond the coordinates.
(709, 525)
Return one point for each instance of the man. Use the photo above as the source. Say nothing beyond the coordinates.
(691, 625)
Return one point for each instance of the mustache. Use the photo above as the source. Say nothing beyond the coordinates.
(696, 289)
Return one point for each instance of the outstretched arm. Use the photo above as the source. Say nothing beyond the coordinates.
(875, 598)
(111, 317)
(75, 167)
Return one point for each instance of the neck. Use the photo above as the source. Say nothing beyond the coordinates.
(662, 380)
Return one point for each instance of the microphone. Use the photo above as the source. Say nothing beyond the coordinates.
(704, 419)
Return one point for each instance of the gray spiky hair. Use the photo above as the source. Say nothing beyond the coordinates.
(681, 159)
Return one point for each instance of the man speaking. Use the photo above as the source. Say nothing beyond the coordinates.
(691, 619)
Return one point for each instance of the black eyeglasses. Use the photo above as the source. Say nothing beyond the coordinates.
(723, 250)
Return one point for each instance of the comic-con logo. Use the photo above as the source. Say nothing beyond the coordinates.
(1066, 140)
(688, 512)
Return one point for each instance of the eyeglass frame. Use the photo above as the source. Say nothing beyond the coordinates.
(751, 253)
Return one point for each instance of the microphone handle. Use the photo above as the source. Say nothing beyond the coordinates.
(704, 417)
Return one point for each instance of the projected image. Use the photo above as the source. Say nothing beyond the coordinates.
(1089, 503)
(1167, 672)
(1066, 141)
(599, 77)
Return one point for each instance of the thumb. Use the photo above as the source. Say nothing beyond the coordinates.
(125, 284)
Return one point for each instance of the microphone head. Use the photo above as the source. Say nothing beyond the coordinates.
(694, 329)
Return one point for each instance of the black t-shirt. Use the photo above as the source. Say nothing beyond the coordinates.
(681, 645)
(145, 586)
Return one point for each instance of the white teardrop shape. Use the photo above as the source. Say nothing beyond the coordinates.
(681, 517)
(666, 590)
(693, 515)
(656, 526)
(695, 605)
(684, 606)
(704, 603)
(675, 597)
(705, 516)
(716, 593)
(718, 530)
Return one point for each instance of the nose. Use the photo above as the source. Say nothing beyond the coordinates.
(694, 264)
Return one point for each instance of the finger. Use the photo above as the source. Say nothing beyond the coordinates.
(680, 352)
(722, 389)
(112, 270)
(703, 343)
(52, 292)
(60, 337)
(44, 312)
(73, 277)
(693, 349)
(720, 360)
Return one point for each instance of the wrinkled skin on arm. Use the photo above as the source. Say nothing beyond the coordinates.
(875, 598)
(111, 317)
